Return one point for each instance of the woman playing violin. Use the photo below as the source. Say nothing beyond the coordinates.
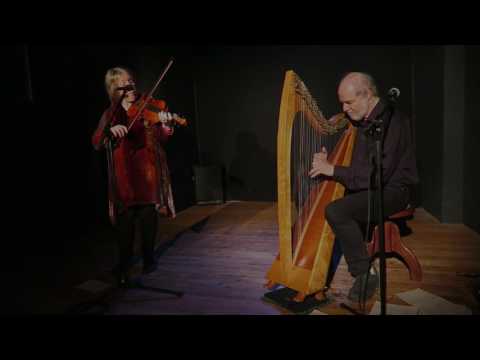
(139, 186)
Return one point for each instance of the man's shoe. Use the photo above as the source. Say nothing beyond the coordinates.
(364, 286)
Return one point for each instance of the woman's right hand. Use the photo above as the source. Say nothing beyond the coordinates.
(119, 131)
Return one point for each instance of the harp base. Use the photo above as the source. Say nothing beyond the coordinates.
(284, 298)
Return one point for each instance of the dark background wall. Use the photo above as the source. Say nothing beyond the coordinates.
(446, 85)
(471, 175)
(231, 96)
(428, 80)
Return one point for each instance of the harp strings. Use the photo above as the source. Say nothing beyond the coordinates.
(307, 141)
(310, 133)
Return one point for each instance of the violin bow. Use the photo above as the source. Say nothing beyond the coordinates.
(142, 107)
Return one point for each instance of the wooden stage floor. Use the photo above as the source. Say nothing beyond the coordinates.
(221, 268)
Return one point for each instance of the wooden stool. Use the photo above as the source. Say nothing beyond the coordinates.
(395, 246)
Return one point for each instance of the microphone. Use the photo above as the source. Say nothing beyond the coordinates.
(393, 94)
(126, 88)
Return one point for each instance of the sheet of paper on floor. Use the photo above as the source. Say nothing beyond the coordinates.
(394, 309)
(317, 312)
(430, 304)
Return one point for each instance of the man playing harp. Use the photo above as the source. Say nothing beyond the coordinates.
(358, 95)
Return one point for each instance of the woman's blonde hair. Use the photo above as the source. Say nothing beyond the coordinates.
(111, 77)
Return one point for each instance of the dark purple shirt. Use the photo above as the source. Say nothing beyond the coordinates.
(399, 163)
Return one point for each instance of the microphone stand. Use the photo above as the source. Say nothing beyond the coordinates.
(376, 130)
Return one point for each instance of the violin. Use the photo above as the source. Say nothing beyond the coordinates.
(149, 108)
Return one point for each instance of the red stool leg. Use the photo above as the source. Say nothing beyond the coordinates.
(394, 244)
(407, 254)
(390, 233)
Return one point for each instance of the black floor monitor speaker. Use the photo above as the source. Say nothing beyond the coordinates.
(209, 185)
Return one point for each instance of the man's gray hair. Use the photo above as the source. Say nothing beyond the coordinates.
(366, 81)
(370, 83)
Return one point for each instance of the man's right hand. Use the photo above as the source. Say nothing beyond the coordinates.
(320, 164)
(119, 131)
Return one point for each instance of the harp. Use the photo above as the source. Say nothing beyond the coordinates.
(306, 240)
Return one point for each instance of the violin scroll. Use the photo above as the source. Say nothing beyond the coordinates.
(171, 120)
